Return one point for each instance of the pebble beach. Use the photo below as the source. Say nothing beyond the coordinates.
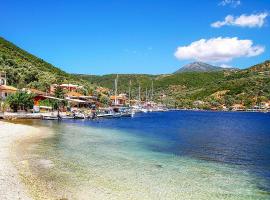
(11, 187)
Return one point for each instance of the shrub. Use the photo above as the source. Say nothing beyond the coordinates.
(20, 101)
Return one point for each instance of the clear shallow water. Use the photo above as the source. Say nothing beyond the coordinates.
(173, 155)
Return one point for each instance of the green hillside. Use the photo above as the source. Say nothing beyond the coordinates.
(26, 70)
(248, 87)
(189, 79)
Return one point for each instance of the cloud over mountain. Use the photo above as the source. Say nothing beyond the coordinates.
(254, 20)
(218, 50)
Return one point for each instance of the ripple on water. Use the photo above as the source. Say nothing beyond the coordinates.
(109, 164)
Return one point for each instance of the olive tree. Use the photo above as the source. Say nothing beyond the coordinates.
(20, 101)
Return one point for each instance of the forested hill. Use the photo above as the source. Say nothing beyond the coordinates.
(248, 87)
(26, 70)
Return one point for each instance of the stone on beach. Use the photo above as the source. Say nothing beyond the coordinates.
(11, 187)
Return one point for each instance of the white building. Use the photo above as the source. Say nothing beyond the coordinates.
(5, 90)
(3, 78)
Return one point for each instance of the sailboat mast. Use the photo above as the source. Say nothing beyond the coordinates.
(152, 92)
(139, 94)
(129, 92)
(115, 86)
(146, 93)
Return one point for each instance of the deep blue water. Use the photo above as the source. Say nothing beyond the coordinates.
(166, 155)
(237, 138)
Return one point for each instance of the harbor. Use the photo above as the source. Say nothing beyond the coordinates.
(64, 101)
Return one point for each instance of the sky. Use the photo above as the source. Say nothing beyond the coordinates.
(139, 36)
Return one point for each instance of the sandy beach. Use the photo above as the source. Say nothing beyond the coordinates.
(11, 187)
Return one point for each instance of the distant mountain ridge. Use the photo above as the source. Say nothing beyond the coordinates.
(199, 67)
(226, 86)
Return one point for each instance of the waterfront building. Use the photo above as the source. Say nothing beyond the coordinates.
(238, 107)
(78, 100)
(5, 89)
(119, 100)
(3, 78)
(68, 87)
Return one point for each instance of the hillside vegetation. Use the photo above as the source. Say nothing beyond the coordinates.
(248, 87)
(212, 89)
(26, 70)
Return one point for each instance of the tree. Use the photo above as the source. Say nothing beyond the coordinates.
(20, 101)
(57, 104)
(59, 92)
(104, 100)
(248, 103)
(229, 100)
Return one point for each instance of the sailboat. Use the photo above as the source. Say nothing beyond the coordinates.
(117, 110)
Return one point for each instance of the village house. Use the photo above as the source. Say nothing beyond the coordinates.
(102, 90)
(238, 107)
(78, 100)
(3, 78)
(198, 103)
(5, 90)
(119, 100)
(265, 105)
(37, 97)
(68, 87)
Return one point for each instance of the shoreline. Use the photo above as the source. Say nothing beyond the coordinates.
(11, 184)
(34, 170)
(13, 117)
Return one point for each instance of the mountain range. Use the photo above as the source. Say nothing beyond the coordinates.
(201, 67)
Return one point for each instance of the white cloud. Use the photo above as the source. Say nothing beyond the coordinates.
(218, 50)
(233, 3)
(254, 20)
(226, 66)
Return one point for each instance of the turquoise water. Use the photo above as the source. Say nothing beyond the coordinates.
(175, 155)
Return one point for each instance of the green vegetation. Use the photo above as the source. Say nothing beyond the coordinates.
(55, 103)
(105, 100)
(206, 90)
(20, 101)
(59, 93)
(26, 70)
(248, 87)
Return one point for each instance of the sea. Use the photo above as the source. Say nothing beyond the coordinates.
(162, 155)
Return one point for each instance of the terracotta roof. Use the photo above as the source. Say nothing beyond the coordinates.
(6, 87)
(50, 97)
(77, 100)
(118, 97)
(73, 94)
(101, 89)
(35, 91)
(69, 85)
(238, 106)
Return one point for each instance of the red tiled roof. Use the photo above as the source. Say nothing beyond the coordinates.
(73, 94)
(9, 88)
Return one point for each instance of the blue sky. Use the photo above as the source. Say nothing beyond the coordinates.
(139, 36)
